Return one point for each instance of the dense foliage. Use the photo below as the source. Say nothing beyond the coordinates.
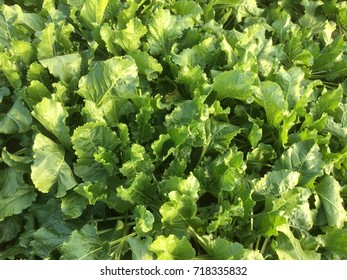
(173, 129)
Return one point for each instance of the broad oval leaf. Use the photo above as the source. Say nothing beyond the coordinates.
(234, 84)
(65, 67)
(85, 244)
(52, 115)
(17, 119)
(49, 168)
(114, 78)
(328, 191)
(15, 194)
(92, 12)
(303, 157)
(172, 248)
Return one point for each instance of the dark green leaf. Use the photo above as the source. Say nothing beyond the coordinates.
(328, 191)
(84, 244)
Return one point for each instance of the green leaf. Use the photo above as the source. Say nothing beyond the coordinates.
(49, 168)
(335, 241)
(129, 38)
(146, 64)
(108, 35)
(94, 144)
(47, 239)
(247, 8)
(195, 79)
(4, 34)
(225, 172)
(10, 228)
(303, 157)
(144, 220)
(87, 138)
(288, 123)
(84, 244)
(186, 113)
(45, 48)
(306, 98)
(295, 208)
(187, 8)
(137, 162)
(202, 54)
(291, 83)
(267, 223)
(178, 214)
(73, 205)
(260, 157)
(220, 134)
(11, 181)
(92, 192)
(107, 159)
(140, 190)
(16, 120)
(65, 67)
(37, 72)
(20, 200)
(328, 102)
(23, 51)
(63, 35)
(222, 249)
(164, 30)
(255, 135)
(329, 55)
(328, 191)
(31, 21)
(115, 77)
(234, 84)
(271, 98)
(172, 248)
(277, 182)
(18, 163)
(289, 247)
(52, 115)
(36, 92)
(4, 92)
(92, 12)
(282, 26)
(189, 186)
(270, 57)
(140, 248)
(11, 71)
(143, 129)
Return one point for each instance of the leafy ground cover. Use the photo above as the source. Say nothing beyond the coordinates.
(173, 129)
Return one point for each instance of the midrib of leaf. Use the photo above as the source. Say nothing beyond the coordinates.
(6, 25)
(305, 159)
(107, 91)
(62, 62)
(99, 14)
(150, 199)
(60, 164)
(14, 198)
(160, 35)
(208, 143)
(329, 201)
(183, 218)
(6, 180)
(91, 252)
(91, 142)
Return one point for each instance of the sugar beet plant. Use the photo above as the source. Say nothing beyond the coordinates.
(173, 129)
